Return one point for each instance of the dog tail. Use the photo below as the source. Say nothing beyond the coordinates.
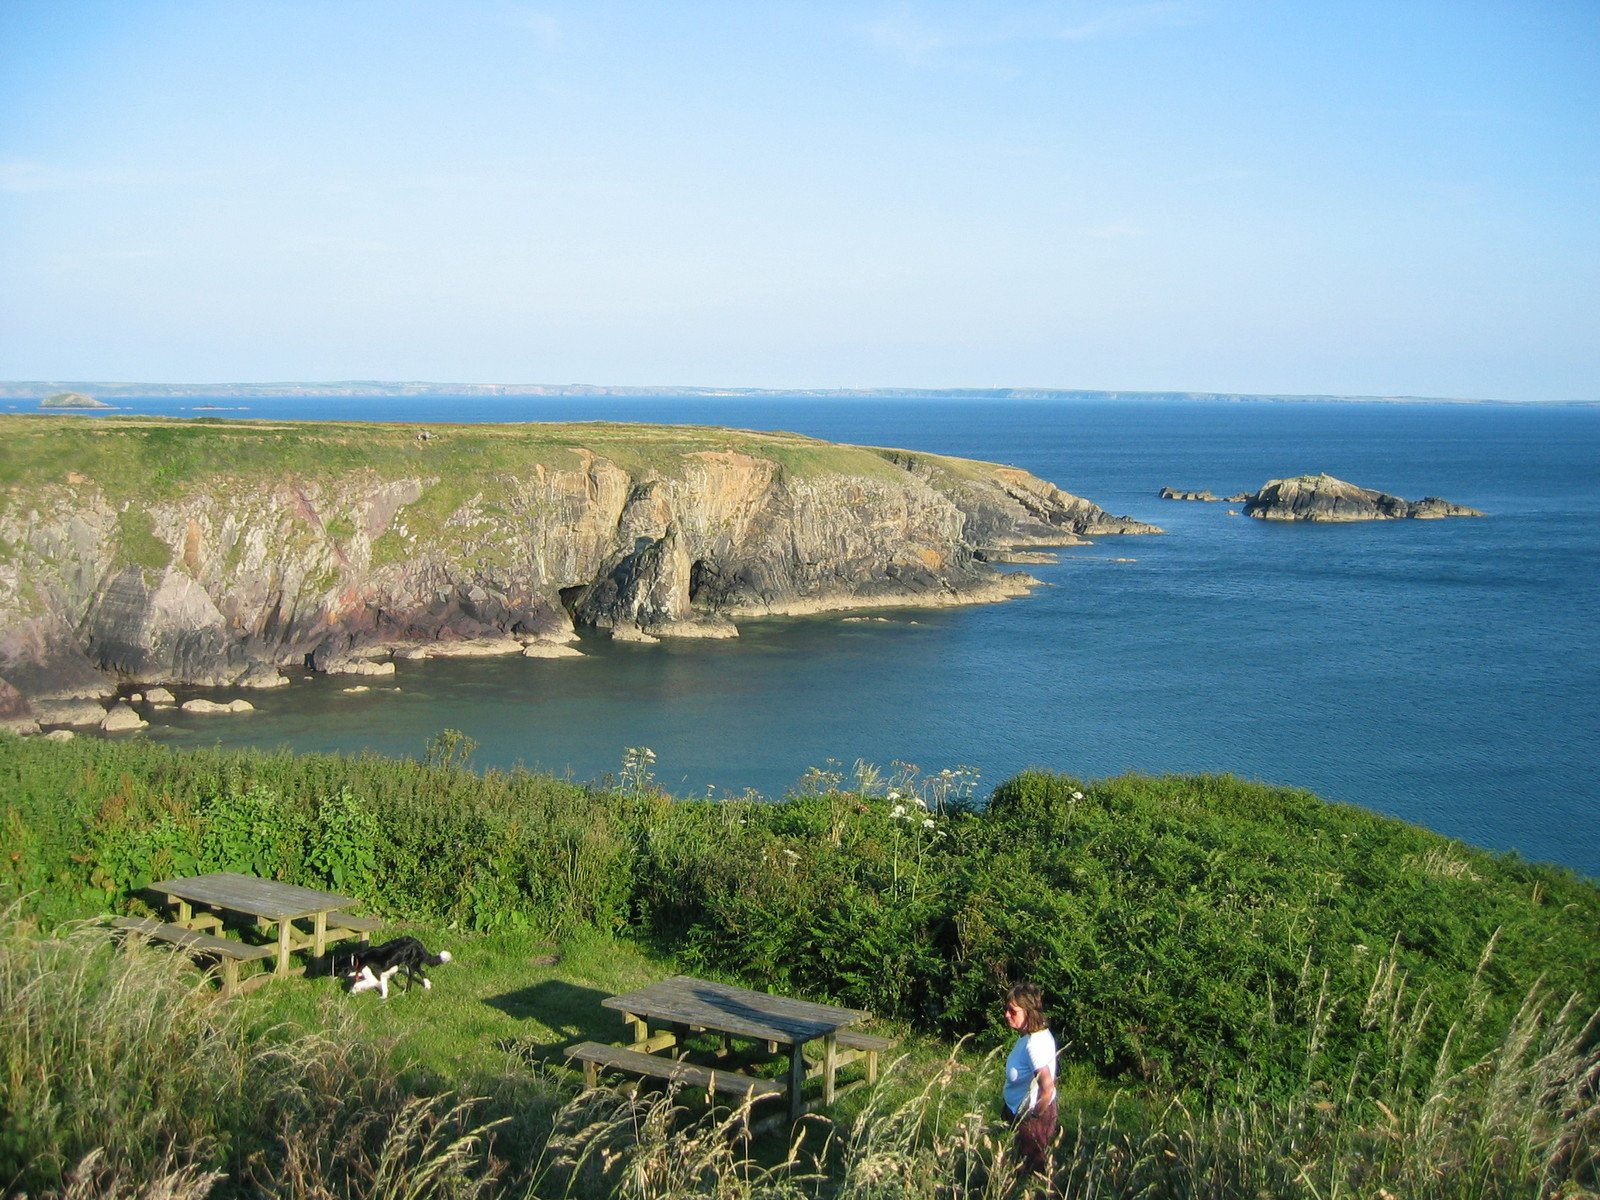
(442, 957)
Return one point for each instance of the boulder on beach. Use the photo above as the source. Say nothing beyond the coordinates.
(122, 719)
(80, 713)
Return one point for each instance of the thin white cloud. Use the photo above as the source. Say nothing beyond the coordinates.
(1112, 231)
(1128, 20)
(545, 28)
(906, 36)
(917, 39)
(18, 176)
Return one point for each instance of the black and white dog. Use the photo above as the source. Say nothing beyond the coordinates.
(373, 966)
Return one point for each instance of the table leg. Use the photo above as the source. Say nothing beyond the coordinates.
(641, 1027)
(830, 1067)
(284, 928)
(320, 935)
(797, 1081)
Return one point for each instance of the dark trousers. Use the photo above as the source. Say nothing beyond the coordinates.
(1032, 1136)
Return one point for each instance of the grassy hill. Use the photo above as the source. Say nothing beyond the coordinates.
(1257, 992)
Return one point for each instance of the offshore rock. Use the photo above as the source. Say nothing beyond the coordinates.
(217, 554)
(1324, 498)
(215, 707)
(550, 650)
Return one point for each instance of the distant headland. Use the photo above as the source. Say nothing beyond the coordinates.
(38, 390)
(146, 551)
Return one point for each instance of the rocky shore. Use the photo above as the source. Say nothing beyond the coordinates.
(138, 552)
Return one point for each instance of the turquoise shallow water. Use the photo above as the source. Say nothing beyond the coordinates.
(1443, 672)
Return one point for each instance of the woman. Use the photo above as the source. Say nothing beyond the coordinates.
(1030, 1088)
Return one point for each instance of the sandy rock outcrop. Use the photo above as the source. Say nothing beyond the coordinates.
(217, 707)
(78, 713)
(122, 719)
(550, 650)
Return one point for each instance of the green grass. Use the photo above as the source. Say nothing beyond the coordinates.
(139, 545)
(140, 456)
(121, 1070)
(1257, 992)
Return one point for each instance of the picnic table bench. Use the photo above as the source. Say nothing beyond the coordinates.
(203, 900)
(594, 1055)
(210, 907)
(682, 1005)
(229, 952)
(852, 1045)
(343, 925)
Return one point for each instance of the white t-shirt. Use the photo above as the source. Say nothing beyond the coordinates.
(1034, 1052)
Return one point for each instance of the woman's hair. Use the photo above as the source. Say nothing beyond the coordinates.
(1030, 1000)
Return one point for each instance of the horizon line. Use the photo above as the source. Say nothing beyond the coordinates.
(378, 388)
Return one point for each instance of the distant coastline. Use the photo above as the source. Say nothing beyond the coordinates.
(38, 390)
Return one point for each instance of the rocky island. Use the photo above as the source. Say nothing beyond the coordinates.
(141, 551)
(72, 400)
(1324, 498)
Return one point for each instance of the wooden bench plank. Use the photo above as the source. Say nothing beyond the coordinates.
(595, 1055)
(228, 950)
(193, 939)
(346, 925)
(854, 1045)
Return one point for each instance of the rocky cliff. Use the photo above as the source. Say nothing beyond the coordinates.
(1324, 498)
(138, 551)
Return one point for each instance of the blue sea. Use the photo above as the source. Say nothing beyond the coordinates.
(1440, 671)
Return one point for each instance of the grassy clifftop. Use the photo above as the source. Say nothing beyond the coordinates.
(141, 453)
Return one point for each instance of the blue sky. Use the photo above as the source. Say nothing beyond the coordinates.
(1357, 198)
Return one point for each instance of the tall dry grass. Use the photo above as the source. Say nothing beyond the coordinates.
(121, 1075)
(1520, 1121)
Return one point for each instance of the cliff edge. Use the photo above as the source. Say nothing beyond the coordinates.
(142, 551)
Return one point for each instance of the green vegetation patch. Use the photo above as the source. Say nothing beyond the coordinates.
(141, 457)
(1296, 998)
(137, 543)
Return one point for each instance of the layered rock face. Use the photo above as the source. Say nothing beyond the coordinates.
(278, 544)
(1324, 498)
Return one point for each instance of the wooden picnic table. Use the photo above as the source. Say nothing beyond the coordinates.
(685, 1004)
(202, 899)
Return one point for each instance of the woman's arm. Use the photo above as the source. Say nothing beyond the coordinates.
(1047, 1087)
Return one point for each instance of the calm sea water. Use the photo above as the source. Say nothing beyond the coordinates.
(1444, 672)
